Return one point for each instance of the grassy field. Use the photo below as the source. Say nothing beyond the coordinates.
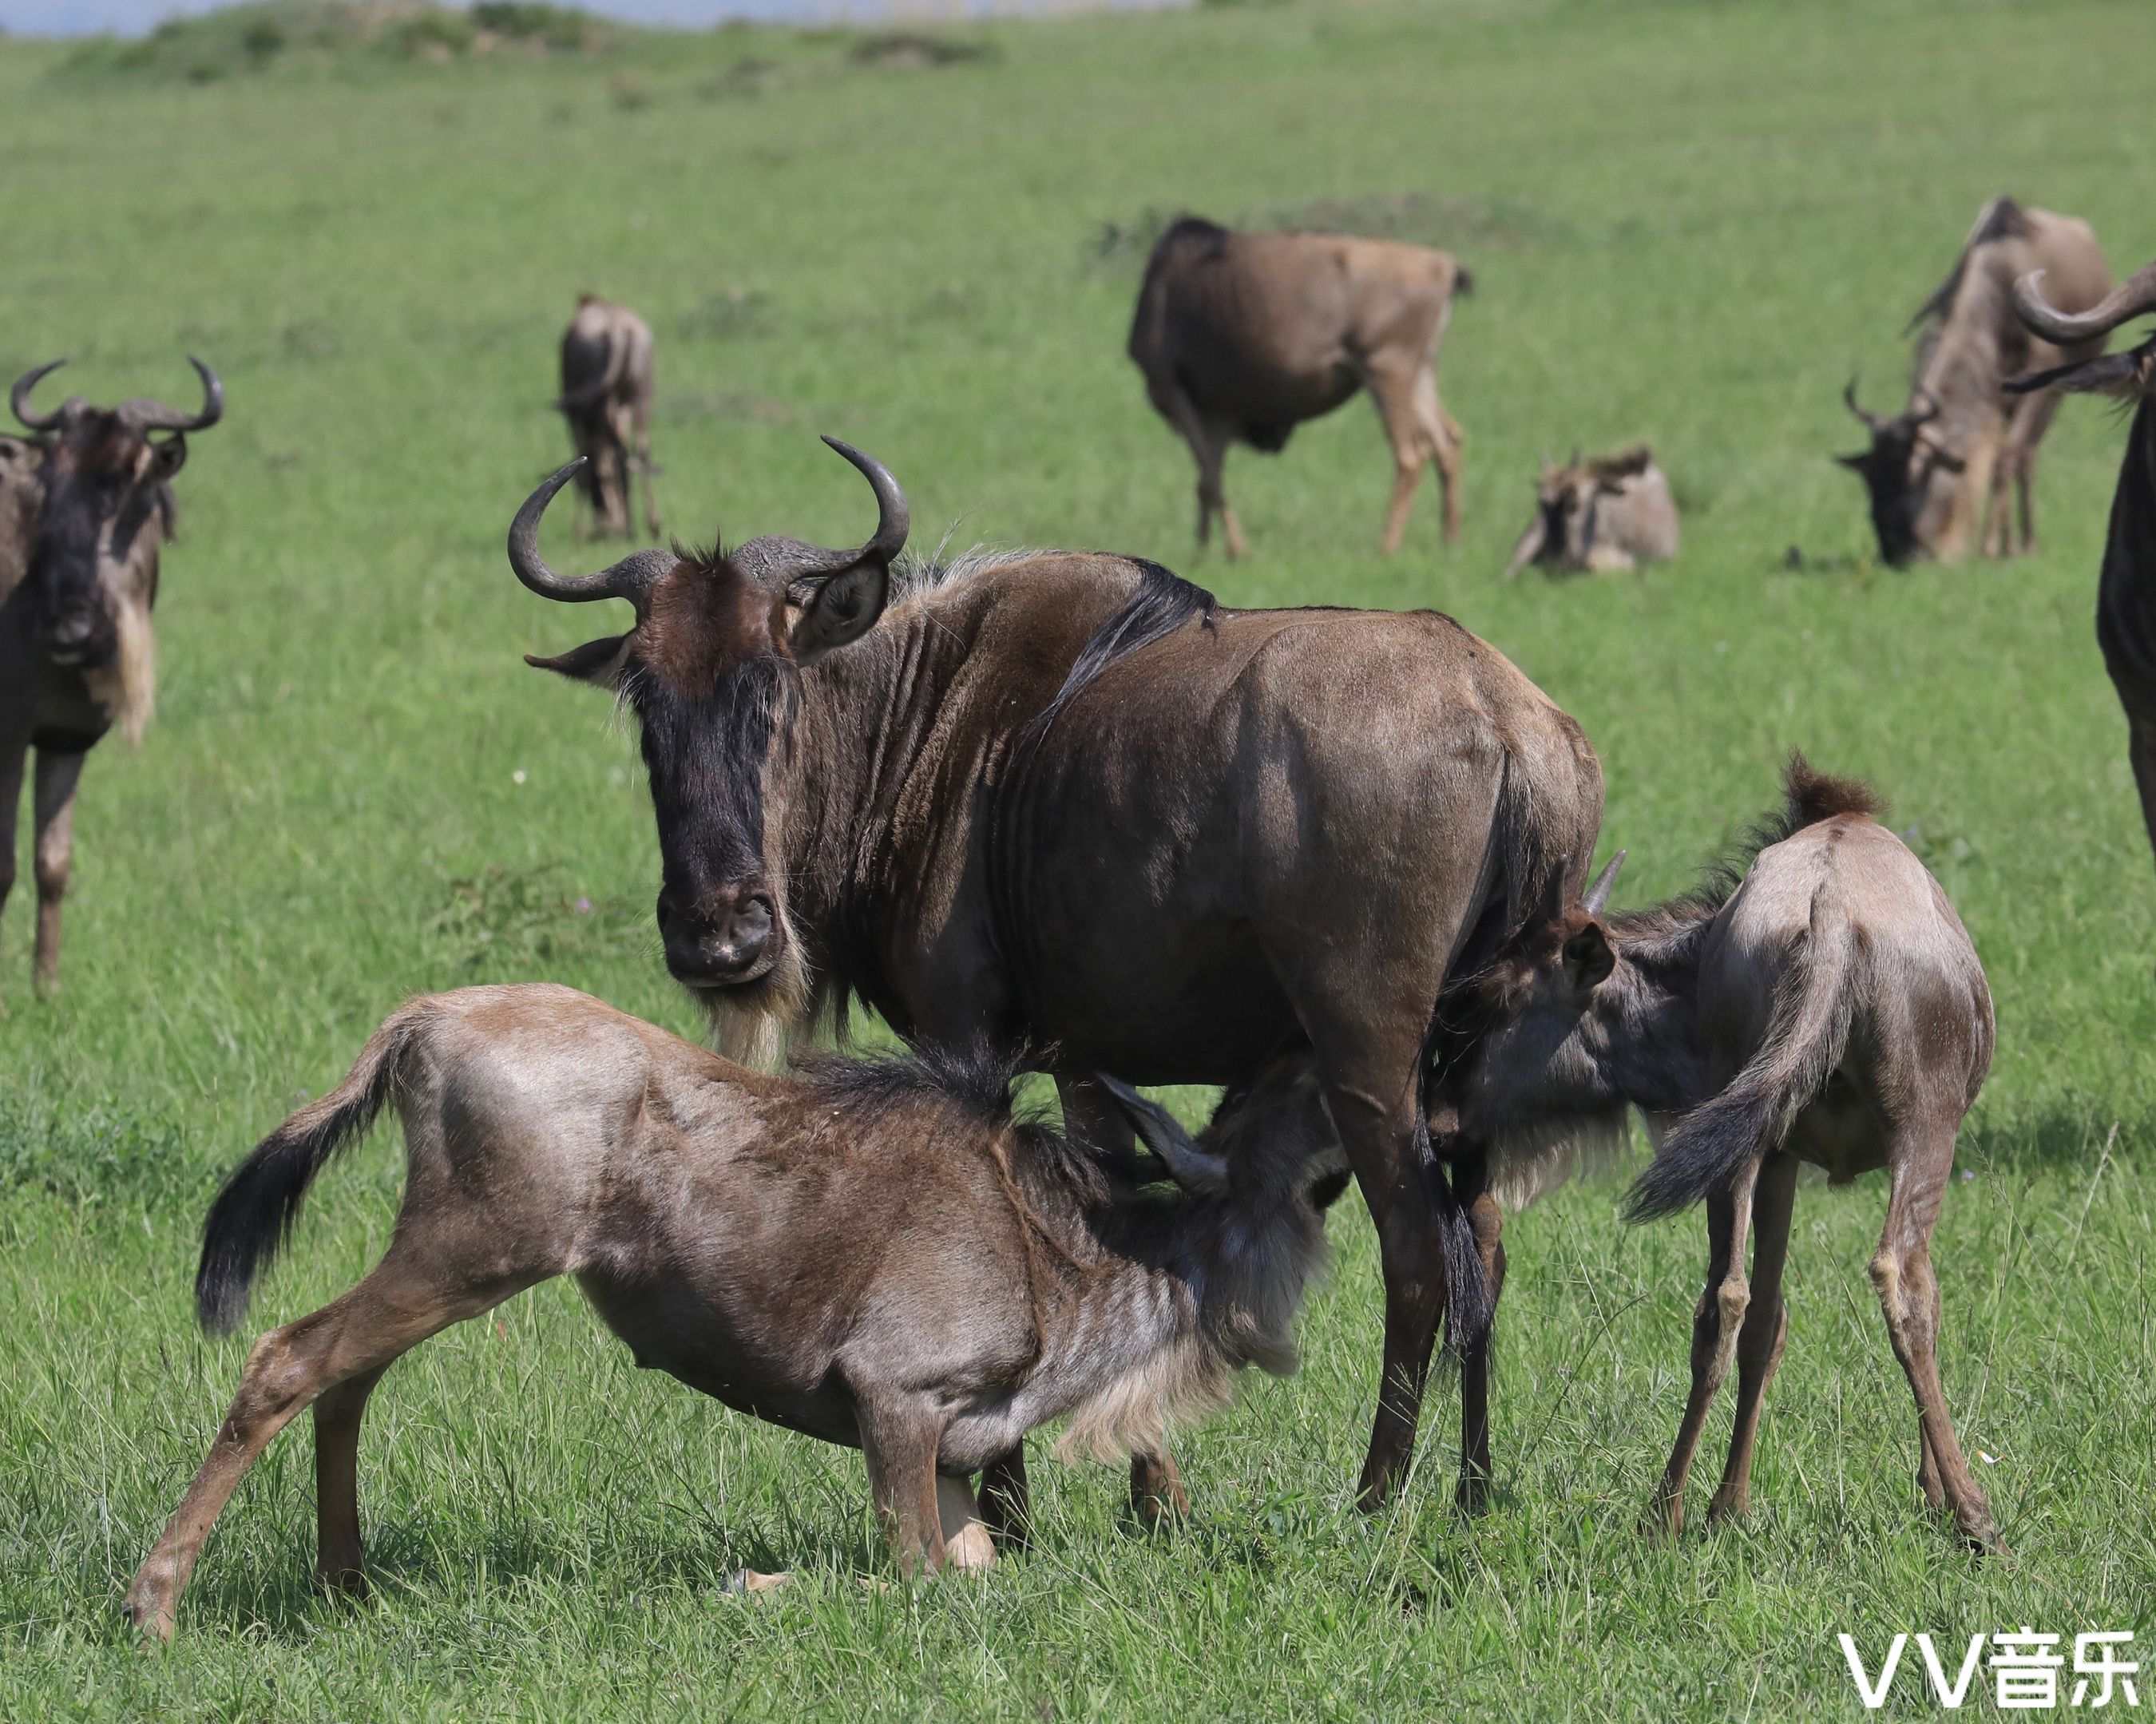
(1686, 222)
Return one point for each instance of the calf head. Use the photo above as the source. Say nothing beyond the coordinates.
(1905, 459)
(2130, 375)
(711, 671)
(102, 509)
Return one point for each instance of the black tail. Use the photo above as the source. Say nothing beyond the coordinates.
(254, 1214)
(1463, 280)
(1467, 1307)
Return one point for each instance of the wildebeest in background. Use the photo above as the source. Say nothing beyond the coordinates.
(1242, 337)
(2126, 592)
(1602, 517)
(606, 397)
(85, 503)
(1829, 1007)
(878, 1255)
(1939, 470)
(1064, 801)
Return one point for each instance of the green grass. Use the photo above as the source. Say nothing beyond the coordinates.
(1686, 222)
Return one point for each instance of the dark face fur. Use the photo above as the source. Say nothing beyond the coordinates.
(1898, 471)
(104, 485)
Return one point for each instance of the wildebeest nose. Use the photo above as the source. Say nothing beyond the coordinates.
(719, 948)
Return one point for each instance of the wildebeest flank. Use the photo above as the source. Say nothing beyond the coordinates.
(877, 1255)
(1242, 832)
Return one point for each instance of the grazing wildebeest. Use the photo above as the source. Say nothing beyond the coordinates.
(1826, 1008)
(1242, 337)
(877, 1254)
(1064, 801)
(1953, 451)
(606, 397)
(1602, 517)
(2126, 592)
(85, 504)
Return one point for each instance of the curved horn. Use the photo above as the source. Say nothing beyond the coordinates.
(18, 397)
(1194, 1169)
(1598, 895)
(893, 517)
(1872, 422)
(2137, 296)
(147, 415)
(631, 578)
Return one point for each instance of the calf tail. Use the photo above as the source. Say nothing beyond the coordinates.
(1806, 1034)
(254, 1214)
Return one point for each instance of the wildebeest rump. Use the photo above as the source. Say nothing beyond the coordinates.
(1242, 337)
(1828, 1008)
(85, 504)
(1602, 517)
(1938, 471)
(606, 397)
(2126, 592)
(1065, 801)
(878, 1255)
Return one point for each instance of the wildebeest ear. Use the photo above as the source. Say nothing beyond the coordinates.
(1587, 958)
(1856, 464)
(594, 661)
(839, 611)
(166, 458)
(1192, 1169)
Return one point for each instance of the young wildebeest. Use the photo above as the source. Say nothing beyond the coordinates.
(1064, 800)
(1602, 517)
(606, 397)
(879, 1255)
(1242, 337)
(85, 503)
(2126, 593)
(1952, 452)
(1829, 1009)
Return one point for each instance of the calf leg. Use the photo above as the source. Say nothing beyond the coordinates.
(1766, 1329)
(13, 758)
(899, 1441)
(1714, 1331)
(1909, 1295)
(1445, 439)
(398, 1307)
(339, 1551)
(58, 776)
(1470, 1182)
(966, 1540)
(1392, 392)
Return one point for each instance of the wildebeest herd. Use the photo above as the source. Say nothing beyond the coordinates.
(1064, 812)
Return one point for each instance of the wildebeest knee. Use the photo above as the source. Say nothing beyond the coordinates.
(51, 870)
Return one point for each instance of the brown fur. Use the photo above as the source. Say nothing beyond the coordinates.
(607, 391)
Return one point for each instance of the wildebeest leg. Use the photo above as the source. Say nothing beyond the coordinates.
(1443, 434)
(53, 799)
(402, 1303)
(1392, 389)
(339, 1551)
(2032, 419)
(1471, 1178)
(1208, 442)
(2141, 750)
(14, 759)
(1766, 1329)
(1921, 1158)
(1715, 1323)
(899, 1441)
(651, 474)
(1156, 1492)
(1005, 1498)
(967, 1543)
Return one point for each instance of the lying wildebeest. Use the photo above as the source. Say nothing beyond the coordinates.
(606, 397)
(1064, 800)
(85, 504)
(1242, 337)
(1602, 517)
(2126, 593)
(877, 1254)
(1941, 467)
(1828, 1008)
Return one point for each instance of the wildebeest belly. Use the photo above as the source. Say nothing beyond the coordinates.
(1844, 1130)
(784, 1380)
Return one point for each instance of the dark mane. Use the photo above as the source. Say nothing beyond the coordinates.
(1162, 603)
(2001, 218)
(1206, 237)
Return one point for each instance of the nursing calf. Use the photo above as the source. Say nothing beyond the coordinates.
(1829, 1007)
(880, 1254)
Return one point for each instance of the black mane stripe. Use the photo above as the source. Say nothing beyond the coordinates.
(1162, 603)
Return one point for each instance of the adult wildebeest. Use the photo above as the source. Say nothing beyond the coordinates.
(1242, 337)
(85, 504)
(877, 1254)
(1064, 801)
(2126, 592)
(1939, 468)
(1826, 1008)
(1602, 517)
(606, 397)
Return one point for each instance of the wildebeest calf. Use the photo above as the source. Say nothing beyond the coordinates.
(1829, 1009)
(1602, 517)
(877, 1254)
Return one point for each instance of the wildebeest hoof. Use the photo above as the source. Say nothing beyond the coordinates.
(154, 1621)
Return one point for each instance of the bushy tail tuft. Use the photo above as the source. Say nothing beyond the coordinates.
(255, 1213)
(1814, 796)
(1463, 280)
(1806, 1034)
